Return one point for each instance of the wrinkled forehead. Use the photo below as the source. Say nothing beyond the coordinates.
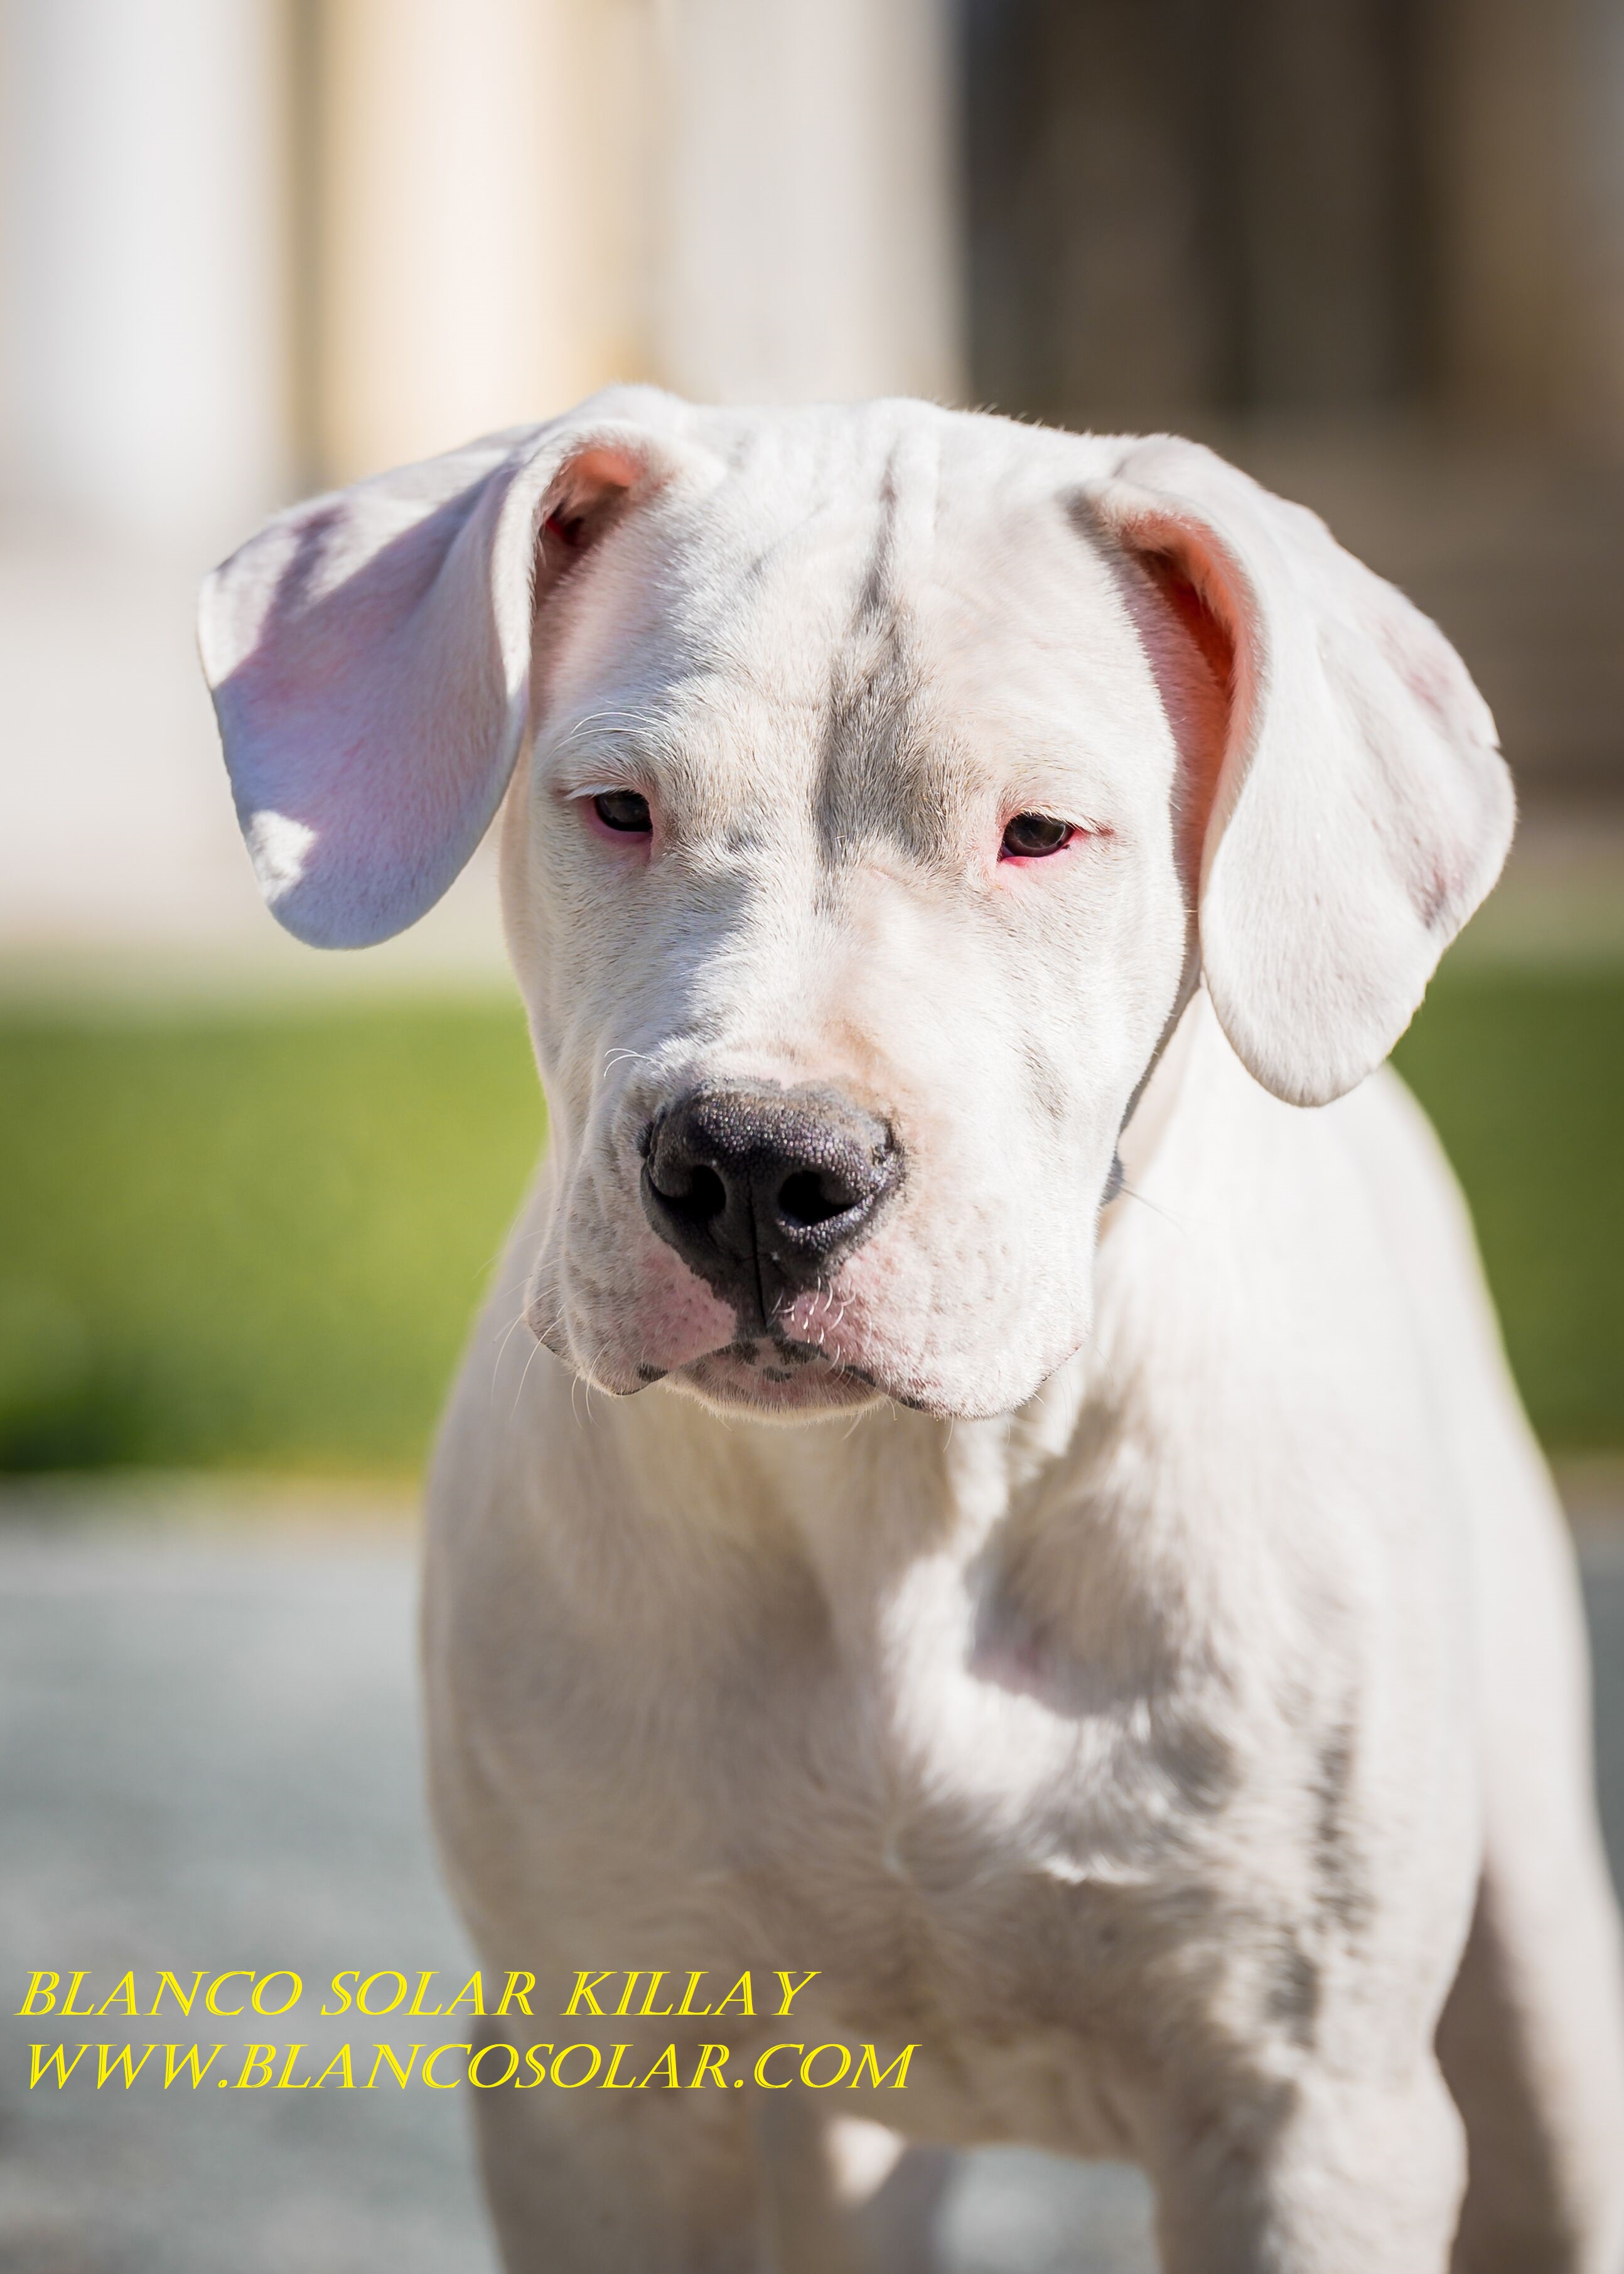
(885, 626)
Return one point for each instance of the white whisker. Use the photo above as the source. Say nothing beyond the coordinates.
(525, 1377)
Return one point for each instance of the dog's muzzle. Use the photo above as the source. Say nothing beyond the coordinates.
(763, 1193)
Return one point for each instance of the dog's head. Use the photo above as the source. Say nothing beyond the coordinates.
(880, 779)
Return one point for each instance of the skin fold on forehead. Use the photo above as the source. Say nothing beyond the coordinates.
(808, 714)
(878, 639)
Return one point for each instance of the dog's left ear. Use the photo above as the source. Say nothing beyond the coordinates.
(1359, 808)
(370, 656)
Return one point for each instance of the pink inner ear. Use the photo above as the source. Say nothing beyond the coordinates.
(1182, 579)
(1211, 636)
(600, 469)
(586, 498)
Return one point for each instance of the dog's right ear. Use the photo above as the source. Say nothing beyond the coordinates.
(1356, 807)
(369, 655)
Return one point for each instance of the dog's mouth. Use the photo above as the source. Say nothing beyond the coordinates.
(774, 1373)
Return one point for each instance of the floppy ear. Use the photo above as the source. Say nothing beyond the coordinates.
(1359, 808)
(369, 655)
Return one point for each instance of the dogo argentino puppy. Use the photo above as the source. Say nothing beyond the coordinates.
(1011, 1496)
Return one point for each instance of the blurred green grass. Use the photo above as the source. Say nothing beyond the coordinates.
(254, 1238)
(1523, 1072)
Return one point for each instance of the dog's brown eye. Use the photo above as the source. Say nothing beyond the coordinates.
(1030, 835)
(624, 809)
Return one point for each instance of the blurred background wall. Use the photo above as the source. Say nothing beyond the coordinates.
(1179, 206)
(252, 247)
(1375, 247)
(249, 247)
(255, 245)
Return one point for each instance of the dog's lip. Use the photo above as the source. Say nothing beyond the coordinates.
(781, 1357)
(771, 1367)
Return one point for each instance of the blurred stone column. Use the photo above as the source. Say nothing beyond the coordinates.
(1323, 179)
(473, 209)
(1178, 206)
(804, 213)
(1103, 270)
(144, 319)
(1602, 216)
(1528, 106)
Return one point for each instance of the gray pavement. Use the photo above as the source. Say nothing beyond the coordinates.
(209, 1759)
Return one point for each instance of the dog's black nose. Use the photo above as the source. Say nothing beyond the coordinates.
(761, 1191)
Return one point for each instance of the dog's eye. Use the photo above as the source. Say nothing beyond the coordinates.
(1031, 835)
(624, 809)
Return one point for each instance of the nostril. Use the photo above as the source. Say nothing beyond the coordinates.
(809, 1197)
(705, 1197)
(696, 1192)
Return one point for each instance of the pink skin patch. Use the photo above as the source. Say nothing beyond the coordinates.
(817, 1362)
(835, 1321)
(1013, 1658)
(823, 1358)
(675, 1320)
(678, 1320)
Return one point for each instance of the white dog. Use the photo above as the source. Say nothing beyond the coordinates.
(1010, 1511)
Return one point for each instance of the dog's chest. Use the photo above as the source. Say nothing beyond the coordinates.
(967, 1834)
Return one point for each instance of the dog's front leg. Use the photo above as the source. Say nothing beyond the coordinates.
(591, 2182)
(677, 2183)
(1318, 2175)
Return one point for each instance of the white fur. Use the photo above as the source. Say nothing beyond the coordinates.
(1135, 1638)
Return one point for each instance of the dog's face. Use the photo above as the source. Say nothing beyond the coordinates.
(846, 901)
(871, 770)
